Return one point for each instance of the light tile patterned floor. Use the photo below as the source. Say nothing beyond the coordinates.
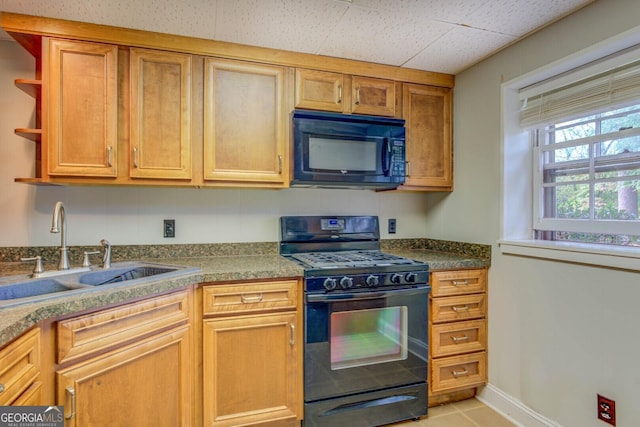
(467, 413)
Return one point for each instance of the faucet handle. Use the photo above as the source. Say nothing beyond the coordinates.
(37, 268)
(85, 258)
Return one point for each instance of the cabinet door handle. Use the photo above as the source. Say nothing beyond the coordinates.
(459, 373)
(135, 157)
(407, 169)
(247, 300)
(460, 282)
(1, 388)
(280, 164)
(456, 340)
(109, 150)
(458, 308)
(71, 392)
(339, 94)
(292, 341)
(357, 96)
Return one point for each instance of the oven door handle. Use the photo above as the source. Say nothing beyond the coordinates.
(356, 296)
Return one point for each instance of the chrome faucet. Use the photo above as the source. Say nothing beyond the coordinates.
(106, 257)
(59, 217)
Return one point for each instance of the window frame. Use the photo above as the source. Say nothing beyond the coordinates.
(516, 231)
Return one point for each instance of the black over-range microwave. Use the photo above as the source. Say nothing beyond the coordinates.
(335, 150)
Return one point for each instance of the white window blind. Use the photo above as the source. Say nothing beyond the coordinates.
(616, 87)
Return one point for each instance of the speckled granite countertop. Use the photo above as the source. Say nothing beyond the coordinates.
(215, 263)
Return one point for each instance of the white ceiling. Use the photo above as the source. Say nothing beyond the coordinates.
(436, 35)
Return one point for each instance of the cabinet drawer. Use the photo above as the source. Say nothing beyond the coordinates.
(458, 372)
(100, 331)
(19, 366)
(458, 308)
(458, 338)
(249, 297)
(446, 283)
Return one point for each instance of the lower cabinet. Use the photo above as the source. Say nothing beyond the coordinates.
(252, 354)
(20, 371)
(131, 365)
(458, 334)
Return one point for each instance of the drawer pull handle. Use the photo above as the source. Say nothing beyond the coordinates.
(456, 340)
(460, 282)
(458, 308)
(247, 300)
(457, 374)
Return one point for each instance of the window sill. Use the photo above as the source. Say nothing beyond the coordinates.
(625, 258)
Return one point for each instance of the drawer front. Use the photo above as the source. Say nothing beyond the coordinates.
(223, 300)
(100, 331)
(449, 309)
(448, 339)
(458, 372)
(19, 366)
(461, 282)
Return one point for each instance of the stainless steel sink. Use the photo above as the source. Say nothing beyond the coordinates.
(105, 277)
(19, 290)
(31, 289)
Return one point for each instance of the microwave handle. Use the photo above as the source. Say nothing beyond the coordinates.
(386, 157)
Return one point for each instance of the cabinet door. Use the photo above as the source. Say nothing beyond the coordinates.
(246, 123)
(320, 90)
(160, 114)
(81, 105)
(145, 384)
(250, 370)
(20, 369)
(427, 113)
(373, 96)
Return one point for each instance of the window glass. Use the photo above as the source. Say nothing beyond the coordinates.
(589, 173)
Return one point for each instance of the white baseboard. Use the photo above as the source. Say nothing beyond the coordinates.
(512, 409)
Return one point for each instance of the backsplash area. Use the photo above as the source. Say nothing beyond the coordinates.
(128, 252)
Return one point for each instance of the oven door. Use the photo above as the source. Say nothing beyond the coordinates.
(364, 341)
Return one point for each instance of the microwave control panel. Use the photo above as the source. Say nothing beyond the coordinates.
(397, 158)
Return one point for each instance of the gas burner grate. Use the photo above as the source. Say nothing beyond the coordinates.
(349, 259)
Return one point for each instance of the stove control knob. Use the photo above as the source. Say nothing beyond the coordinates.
(396, 278)
(346, 282)
(329, 284)
(373, 281)
(411, 277)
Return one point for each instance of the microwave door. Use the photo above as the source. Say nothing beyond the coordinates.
(343, 156)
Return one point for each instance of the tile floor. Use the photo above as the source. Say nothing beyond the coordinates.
(466, 413)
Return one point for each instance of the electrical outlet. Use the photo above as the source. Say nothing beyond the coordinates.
(607, 410)
(392, 226)
(169, 228)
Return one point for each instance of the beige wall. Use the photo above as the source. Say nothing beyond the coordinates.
(559, 333)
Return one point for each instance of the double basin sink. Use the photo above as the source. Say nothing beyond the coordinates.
(74, 281)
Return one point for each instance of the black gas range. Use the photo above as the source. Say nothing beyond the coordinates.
(342, 253)
(365, 323)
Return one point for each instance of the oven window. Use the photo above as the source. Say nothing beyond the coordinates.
(365, 337)
(342, 154)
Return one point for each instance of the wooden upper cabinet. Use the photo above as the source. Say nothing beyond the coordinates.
(427, 111)
(319, 90)
(342, 93)
(80, 107)
(245, 123)
(160, 127)
(373, 96)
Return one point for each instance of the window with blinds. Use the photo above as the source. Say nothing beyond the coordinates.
(586, 141)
